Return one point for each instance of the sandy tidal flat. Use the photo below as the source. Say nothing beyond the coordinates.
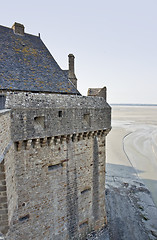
(132, 142)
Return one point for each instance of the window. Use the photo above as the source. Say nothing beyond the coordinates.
(39, 122)
(2, 102)
(85, 190)
(86, 118)
(60, 114)
(55, 167)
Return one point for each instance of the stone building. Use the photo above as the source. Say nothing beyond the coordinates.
(52, 145)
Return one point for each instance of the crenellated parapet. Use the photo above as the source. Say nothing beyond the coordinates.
(36, 115)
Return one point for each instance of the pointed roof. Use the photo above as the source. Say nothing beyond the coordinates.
(27, 65)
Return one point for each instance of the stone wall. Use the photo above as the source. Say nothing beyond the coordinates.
(4, 131)
(60, 187)
(4, 142)
(8, 197)
(10, 172)
(53, 169)
(3, 201)
(43, 115)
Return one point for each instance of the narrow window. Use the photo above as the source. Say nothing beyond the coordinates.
(21, 219)
(55, 167)
(60, 114)
(16, 146)
(85, 190)
(2, 101)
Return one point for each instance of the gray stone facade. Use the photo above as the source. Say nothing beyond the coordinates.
(46, 115)
(52, 167)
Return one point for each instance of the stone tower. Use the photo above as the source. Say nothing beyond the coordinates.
(52, 145)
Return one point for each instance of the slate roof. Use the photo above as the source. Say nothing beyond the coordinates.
(27, 65)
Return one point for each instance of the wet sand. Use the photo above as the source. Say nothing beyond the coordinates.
(133, 142)
(131, 174)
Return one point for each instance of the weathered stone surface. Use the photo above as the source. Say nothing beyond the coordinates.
(8, 197)
(52, 146)
(54, 172)
(4, 139)
(46, 115)
(57, 189)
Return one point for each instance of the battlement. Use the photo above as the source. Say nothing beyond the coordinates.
(47, 115)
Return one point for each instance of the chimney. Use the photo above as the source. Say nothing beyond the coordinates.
(72, 76)
(18, 28)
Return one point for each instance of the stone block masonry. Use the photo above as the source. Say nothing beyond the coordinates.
(4, 142)
(4, 132)
(8, 195)
(52, 145)
(37, 115)
(53, 165)
(3, 201)
(60, 187)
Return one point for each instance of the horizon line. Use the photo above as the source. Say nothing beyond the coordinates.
(134, 104)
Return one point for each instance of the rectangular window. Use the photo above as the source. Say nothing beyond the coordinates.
(39, 122)
(2, 102)
(55, 167)
(60, 114)
(26, 217)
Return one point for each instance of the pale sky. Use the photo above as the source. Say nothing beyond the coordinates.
(114, 41)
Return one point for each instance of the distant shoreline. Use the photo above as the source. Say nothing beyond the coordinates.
(132, 105)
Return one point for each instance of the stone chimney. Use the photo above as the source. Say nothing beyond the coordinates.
(18, 28)
(71, 75)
